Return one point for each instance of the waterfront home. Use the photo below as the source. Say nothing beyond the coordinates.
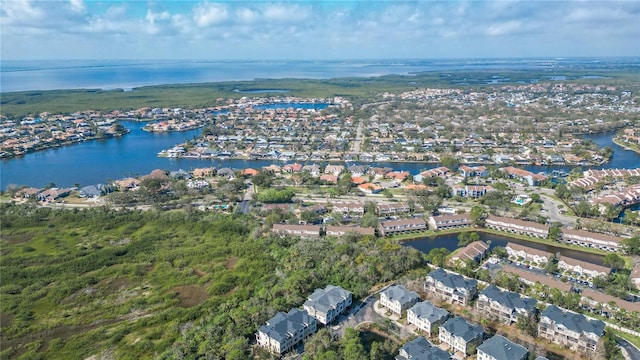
(459, 334)
(517, 226)
(442, 171)
(530, 278)
(626, 197)
(419, 348)
(537, 258)
(92, 191)
(570, 329)
(26, 193)
(203, 172)
(505, 306)
(297, 230)
(468, 171)
(53, 194)
(285, 330)
(342, 230)
(327, 304)
(400, 226)
(523, 175)
(500, 348)
(226, 172)
(451, 287)
(334, 169)
(591, 239)
(443, 222)
(398, 299)
(292, 168)
(127, 184)
(470, 191)
(473, 251)
(157, 174)
(331, 179)
(426, 317)
(582, 267)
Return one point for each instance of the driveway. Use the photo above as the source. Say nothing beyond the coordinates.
(632, 351)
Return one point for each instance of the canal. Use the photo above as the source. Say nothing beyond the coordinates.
(450, 242)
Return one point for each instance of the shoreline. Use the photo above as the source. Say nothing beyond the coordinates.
(623, 145)
(432, 233)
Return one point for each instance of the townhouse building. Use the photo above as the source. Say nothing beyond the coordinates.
(297, 230)
(285, 330)
(458, 334)
(471, 191)
(348, 208)
(393, 209)
(580, 267)
(398, 299)
(517, 226)
(455, 221)
(425, 316)
(570, 329)
(503, 305)
(591, 239)
(327, 304)
(537, 258)
(420, 348)
(451, 287)
(473, 251)
(391, 227)
(500, 348)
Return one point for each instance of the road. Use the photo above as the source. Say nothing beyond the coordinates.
(554, 212)
(634, 352)
(358, 142)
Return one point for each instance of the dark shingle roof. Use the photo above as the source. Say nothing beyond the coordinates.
(453, 281)
(426, 310)
(401, 294)
(459, 327)
(501, 348)
(284, 325)
(573, 321)
(421, 349)
(509, 299)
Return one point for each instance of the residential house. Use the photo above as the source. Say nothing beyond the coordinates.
(226, 172)
(332, 179)
(591, 239)
(203, 172)
(52, 194)
(285, 330)
(312, 169)
(635, 276)
(443, 222)
(27, 193)
(398, 299)
(470, 191)
(601, 303)
(92, 191)
(370, 188)
(468, 171)
(473, 251)
(403, 225)
(327, 304)
(517, 226)
(582, 267)
(334, 169)
(459, 334)
(127, 184)
(342, 230)
(292, 168)
(421, 349)
(570, 329)
(451, 287)
(505, 306)
(500, 348)
(297, 230)
(537, 258)
(425, 316)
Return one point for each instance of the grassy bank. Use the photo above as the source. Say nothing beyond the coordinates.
(628, 146)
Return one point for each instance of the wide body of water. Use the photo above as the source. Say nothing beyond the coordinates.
(450, 242)
(127, 74)
(135, 154)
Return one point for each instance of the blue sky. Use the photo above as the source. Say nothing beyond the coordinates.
(80, 29)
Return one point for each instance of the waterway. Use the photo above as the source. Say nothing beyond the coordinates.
(450, 242)
(134, 154)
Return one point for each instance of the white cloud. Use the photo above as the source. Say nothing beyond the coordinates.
(207, 14)
(505, 28)
(78, 6)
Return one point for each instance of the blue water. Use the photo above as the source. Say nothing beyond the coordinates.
(450, 242)
(127, 74)
(136, 154)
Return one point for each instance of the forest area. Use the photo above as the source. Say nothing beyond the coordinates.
(132, 284)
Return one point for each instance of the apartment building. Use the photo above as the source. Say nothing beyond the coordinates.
(517, 226)
(285, 330)
(327, 304)
(425, 316)
(570, 329)
(505, 306)
(451, 287)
